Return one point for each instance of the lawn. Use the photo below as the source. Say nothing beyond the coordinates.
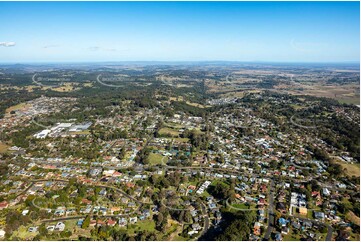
(240, 205)
(145, 225)
(174, 125)
(351, 169)
(85, 132)
(197, 105)
(350, 216)
(354, 236)
(179, 238)
(296, 106)
(3, 147)
(349, 100)
(169, 131)
(16, 107)
(172, 227)
(127, 155)
(67, 87)
(156, 159)
(310, 213)
(88, 84)
(23, 233)
(291, 236)
(179, 98)
(184, 140)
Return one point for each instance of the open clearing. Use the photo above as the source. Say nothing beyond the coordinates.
(353, 218)
(67, 87)
(3, 147)
(156, 159)
(16, 107)
(169, 131)
(350, 169)
(181, 99)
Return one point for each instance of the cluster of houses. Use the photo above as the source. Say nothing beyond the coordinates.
(31, 109)
(232, 154)
(203, 187)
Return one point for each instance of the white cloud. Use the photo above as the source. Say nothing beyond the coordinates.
(98, 48)
(94, 48)
(50, 46)
(7, 44)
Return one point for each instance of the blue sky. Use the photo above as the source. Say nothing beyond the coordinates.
(179, 31)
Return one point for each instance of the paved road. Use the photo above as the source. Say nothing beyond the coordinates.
(270, 213)
(123, 193)
(81, 216)
(98, 185)
(105, 84)
(26, 189)
(40, 84)
(206, 221)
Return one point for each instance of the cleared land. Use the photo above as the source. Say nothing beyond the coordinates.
(350, 169)
(168, 131)
(156, 159)
(181, 99)
(3, 147)
(16, 107)
(67, 87)
(353, 218)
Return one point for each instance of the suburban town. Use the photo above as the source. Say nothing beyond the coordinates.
(180, 121)
(144, 172)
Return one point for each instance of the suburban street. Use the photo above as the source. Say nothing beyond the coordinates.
(271, 217)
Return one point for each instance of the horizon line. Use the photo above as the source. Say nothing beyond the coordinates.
(177, 61)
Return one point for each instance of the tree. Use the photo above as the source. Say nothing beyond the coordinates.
(159, 219)
(273, 164)
(122, 152)
(42, 230)
(188, 216)
(86, 222)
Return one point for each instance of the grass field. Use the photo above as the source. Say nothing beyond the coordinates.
(353, 218)
(349, 100)
(23, 234)
(181, 99)
(184, 140)
(174, 125)
(85, 132)
(173, 228)
(355, 237)
(197, 105)
(179, 238)
(67, 87)
(240, 205)
(145, 225)
(156, 159)
(3, 147)
(16, 107)
(291, 237)
(297, 107)
(88, 84)
(350, 169)
(169, 131)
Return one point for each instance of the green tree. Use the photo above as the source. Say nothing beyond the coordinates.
(86, 222)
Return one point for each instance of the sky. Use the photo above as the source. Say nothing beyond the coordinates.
(179, 31)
